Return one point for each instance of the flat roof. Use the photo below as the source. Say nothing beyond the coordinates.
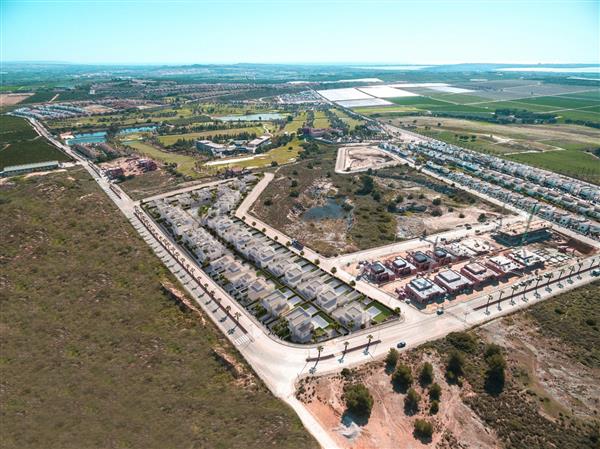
(30, 166)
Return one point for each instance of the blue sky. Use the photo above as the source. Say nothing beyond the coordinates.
(271, 31)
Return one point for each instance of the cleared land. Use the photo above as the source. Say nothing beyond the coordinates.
(12, 99)
(20, 144)
(549, 396)
(95, 355)
(338, 213)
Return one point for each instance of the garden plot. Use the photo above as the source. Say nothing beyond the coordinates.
(386, 92)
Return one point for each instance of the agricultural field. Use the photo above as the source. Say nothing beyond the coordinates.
(566, 149)
(170, 139)
(111, 360)
(579, 105)
(186, 165)
(526, 381)
(20, 144)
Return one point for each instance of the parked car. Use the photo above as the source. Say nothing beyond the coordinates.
(402, 344)
(596, 273)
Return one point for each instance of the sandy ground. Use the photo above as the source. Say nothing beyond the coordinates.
(12, 99)
(456, 425)
(352, 159)
(571, 386)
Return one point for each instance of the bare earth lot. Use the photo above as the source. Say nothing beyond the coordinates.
(549, 398)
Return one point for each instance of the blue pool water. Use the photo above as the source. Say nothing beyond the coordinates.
(100, 136)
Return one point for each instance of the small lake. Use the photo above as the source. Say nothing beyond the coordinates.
(331, 210)
(100, 136)
(265, 116)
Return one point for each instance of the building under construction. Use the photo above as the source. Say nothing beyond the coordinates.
(523, 234)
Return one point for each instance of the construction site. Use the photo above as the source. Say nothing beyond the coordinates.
(433, 272)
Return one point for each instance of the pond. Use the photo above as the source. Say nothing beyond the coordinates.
(265, 116)
(331, 210)
(100, 136)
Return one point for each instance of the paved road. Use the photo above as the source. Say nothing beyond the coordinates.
(280, 364)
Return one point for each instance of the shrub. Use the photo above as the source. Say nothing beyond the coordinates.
(437, 201)
(462, 341)
(333, 270)
(434, 407)
(402, 377)
(411, 401)
(358, 400)
(482, 218)
(435, 392)
(455, 366)
(268, 202)
(426, 374)
(461, 215)
(294, 194)
(391, 359)
(423, 429)
(495, 376)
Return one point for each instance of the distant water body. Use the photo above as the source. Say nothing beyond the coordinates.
(100, 136)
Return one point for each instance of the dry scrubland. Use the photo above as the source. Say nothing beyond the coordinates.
(549, 398)
(373, 218)
(95, 355)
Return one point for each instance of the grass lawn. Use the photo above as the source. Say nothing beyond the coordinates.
(350, 121)
(321, 120)
(280, 155)
(297, 122)
(172, 138)
(94, 354)
(20, 144)
(185, 164)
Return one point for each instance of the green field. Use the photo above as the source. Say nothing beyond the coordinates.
(170, 139)
(297, 122)
(573, 163)
(185, 164)
(350, 121)
(280, 155)
(95, 355)
(321, 120)
(20, 144)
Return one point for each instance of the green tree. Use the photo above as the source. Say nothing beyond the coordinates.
(411, 401)
(435, 392)
(402, 377)
(358, 400)
(391, 359)
(455, 366)
(495, 375)
(423, 429)
(426, 374)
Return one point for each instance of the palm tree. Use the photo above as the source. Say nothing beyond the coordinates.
(319, 349)
(487, 304)
(237, 316)
(369, 337)
(560, 275)
(500, 299)
(549, 276)
(346, 347)
(514, 289)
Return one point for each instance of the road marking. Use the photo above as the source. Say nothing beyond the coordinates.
(242, 340)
